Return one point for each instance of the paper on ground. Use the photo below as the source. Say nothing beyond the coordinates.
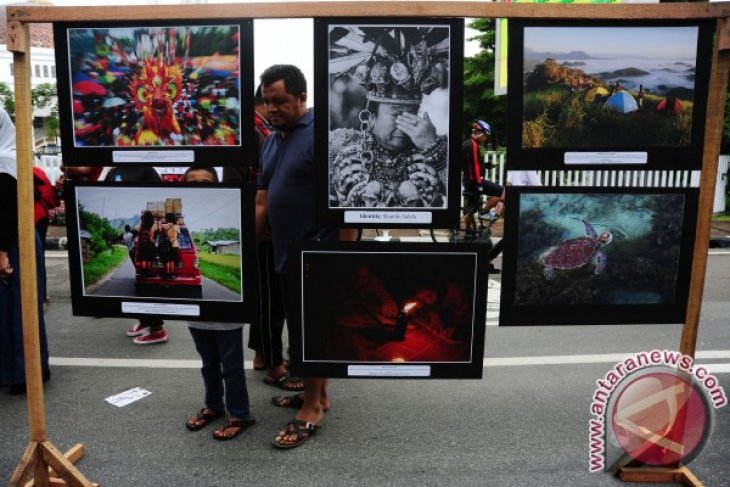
(127, 397)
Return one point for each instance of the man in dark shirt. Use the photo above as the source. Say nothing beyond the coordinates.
(286, 197)
(266, 329)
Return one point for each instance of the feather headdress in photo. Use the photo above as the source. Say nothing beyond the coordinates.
(394, 64)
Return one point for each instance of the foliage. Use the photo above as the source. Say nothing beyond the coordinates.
(215, 234)
(210, 39)
(7, 98)
(225, 269)
(557, 116)
(43, 95)
(479, 99)
(99, 228)
(53, 125)
(103, 262)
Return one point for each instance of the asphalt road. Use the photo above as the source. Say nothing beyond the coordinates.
(525, 423)
(121, 283)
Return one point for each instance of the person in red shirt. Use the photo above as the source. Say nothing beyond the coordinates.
(473, 180)
(46, 199)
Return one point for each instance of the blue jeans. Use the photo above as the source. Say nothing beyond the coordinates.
(222, 354)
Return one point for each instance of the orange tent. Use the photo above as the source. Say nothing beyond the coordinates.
(669, 106)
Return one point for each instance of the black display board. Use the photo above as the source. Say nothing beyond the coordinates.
(156, 92)
(212, 272)
(597, 255)
(387, 310)
(388, 121)
(616, 94)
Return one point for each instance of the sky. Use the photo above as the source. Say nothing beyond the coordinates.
(661, 42)
(276, 41)
(202, 208)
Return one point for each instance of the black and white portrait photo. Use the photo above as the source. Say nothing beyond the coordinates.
(389, 114)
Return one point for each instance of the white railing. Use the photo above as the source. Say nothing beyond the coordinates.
(622, 178)
(498, 174)
(721, 186)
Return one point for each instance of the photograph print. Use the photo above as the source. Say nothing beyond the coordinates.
(153, 86)
(609, 87)
(165, 244)
(392, 105)
(597, 255)
(390, 304)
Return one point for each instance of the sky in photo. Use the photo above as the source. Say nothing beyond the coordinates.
(202, 208)
(614, 42)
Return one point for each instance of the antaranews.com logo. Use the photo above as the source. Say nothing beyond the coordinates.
(654, 408)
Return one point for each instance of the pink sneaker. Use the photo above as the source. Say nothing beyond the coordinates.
(136, 330)
(149, 337)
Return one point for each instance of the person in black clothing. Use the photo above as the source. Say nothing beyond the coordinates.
(267, 327)
(12, 364)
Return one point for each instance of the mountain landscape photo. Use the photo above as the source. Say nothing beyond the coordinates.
(625, 87)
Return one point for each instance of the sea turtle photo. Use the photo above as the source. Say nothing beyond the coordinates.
(577, 252)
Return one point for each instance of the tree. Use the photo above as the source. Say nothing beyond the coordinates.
(53, 125)
(41, 96)
(7, 98)
(99, 228)
(479, 99)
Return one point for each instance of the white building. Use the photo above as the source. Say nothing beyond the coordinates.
(42, 64)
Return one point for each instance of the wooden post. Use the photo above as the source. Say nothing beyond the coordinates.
(708, 177)
(40, 453)
(711, 153)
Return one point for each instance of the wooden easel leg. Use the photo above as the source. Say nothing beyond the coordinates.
(50, 467)
(62, 466)
(73, 455)
(652, 474)
(26, 465)
(40, 473)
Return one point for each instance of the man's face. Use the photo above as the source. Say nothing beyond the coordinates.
(284, 108)
(479, 136)
(385, 131)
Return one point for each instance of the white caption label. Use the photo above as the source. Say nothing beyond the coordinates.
(161, 309)
(389, 217)
(389, 370)
(153, 156)
(605, 158)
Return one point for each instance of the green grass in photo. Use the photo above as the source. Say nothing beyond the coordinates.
(103, 263)
(225, 269)
(555, 119)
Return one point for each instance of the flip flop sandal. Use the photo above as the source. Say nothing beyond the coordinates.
(303, 430)
(294, 401)
(262, 365)
(284, 382)
(202, 419)
(242, 426)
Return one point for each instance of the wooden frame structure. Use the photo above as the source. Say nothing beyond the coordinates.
(40, 453)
